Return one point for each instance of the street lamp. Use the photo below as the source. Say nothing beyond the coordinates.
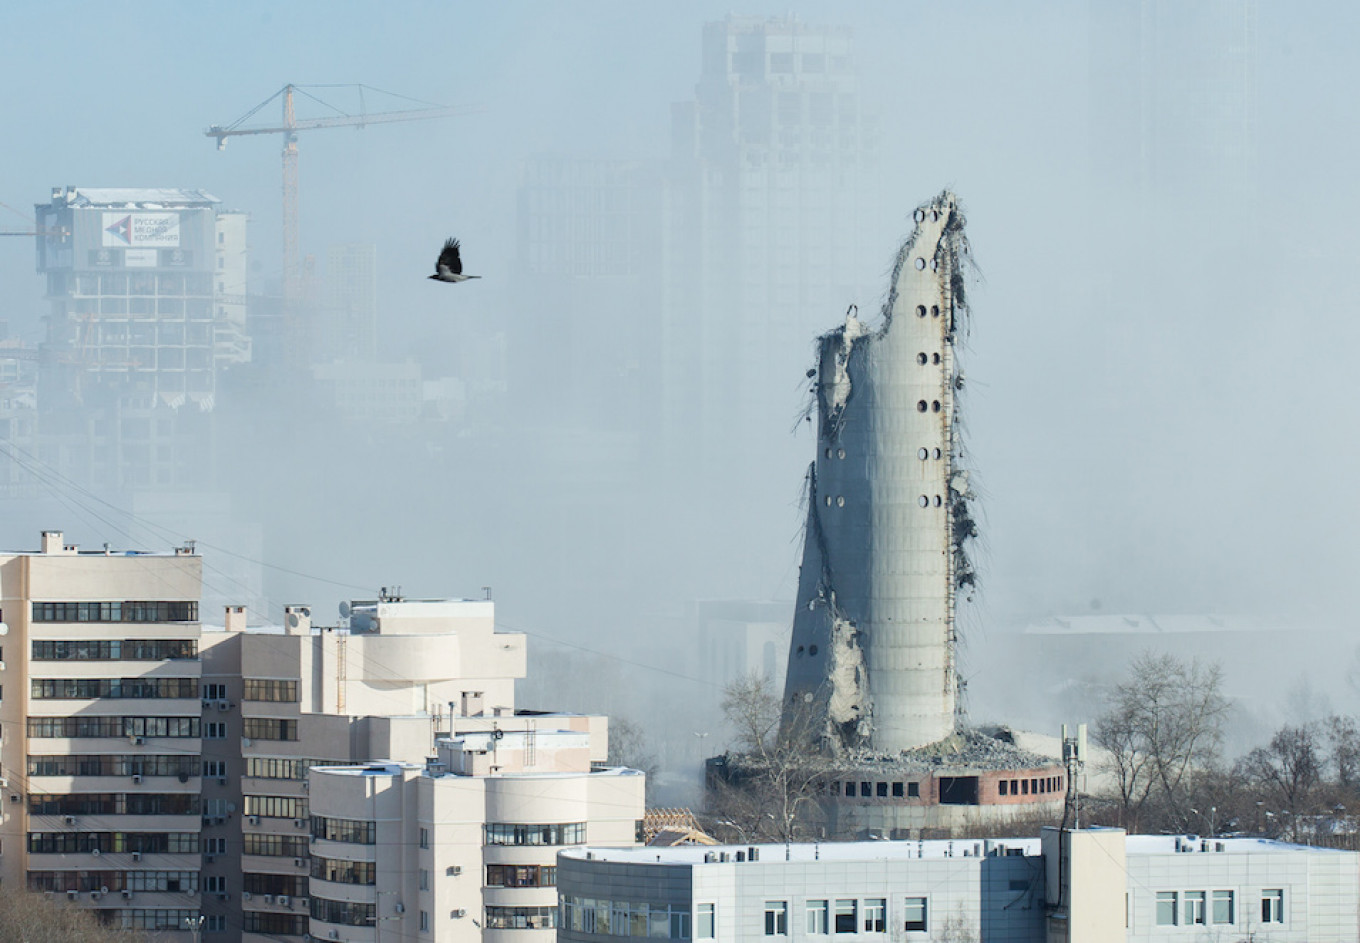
(195, 926)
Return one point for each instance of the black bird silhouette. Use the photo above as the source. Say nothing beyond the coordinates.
(449, 267)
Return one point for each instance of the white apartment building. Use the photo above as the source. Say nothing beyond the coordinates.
(100, 730)
(1069, 886)
(157, 770)
(466, 847)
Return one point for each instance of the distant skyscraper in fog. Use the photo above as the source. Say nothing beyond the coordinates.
(773, 169)
(347, 324)
(1173, 111)
(146, 288)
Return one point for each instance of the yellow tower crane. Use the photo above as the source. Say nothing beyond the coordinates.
(289, 129)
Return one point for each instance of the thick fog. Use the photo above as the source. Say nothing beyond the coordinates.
(1161, 391)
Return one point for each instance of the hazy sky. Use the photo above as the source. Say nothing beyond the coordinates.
(1162, 419)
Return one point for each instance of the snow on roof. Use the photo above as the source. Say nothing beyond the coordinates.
(1142, 624)
(812, 851)
(155, 196)
(1198, 844)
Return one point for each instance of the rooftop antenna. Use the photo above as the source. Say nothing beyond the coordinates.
(1074, 758)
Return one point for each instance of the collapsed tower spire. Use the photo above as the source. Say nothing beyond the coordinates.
(871, 660)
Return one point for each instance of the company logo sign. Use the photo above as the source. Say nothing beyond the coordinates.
(141, 230)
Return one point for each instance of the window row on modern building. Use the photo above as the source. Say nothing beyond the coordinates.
(1214, 907)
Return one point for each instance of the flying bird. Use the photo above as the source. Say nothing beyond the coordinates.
(449, 267)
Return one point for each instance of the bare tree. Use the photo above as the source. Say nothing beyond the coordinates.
(1287, 771)
(1164, 724)
(628, 747)
(1343, 739)
(32, 918)
(770, 779)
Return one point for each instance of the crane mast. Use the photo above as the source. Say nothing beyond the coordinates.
(291, 125)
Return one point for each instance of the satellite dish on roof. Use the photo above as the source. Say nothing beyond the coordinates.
(344, 609)
(292, 620)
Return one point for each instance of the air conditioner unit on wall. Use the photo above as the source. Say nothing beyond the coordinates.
(285, 900)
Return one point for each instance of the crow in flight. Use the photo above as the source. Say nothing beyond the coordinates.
(449, 267)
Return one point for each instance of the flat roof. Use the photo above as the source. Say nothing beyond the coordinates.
(147, 197)
(902, 850)
(895, 850)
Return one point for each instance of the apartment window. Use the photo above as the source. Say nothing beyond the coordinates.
(521, 875)
(343, 871)
(115, 650)
(424, 879)
(289, 885)
(1224, 907)
(353, 831)
(214, 692)
(915, 913)
(847, 914)
(262, 689)
(424, 838)
(913, 790)
(214, 883)
(276, 807)
(275, 846)
(897, 790)
(704, 921)
(1166, 908)
(816, 917)
(865, 789)
(875, 915)
(506, 833)
(1272, 906)
(214, 730)
(214, 846)
(115, 612)
(1005, 785)
(849, 787)
(344, 913)
(1195, 914)
(521, 918)
(274, 925)
(269, 728)
(776, 918)
(214, 767)
(217, 923)
(424, 921)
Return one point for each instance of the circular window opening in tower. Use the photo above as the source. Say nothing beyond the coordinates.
(934, 311)
(922, 359)
(923, 454)
(938, 454)
(923, 501)
(920, 216)
(840, 501)
(800, 649)
(934, 216)
(920, 264)
(935, 358)
(934, 265)
(840, 454)
(920, 311)
(938, 500)
(935, 406)
(828, 453)
(812, 649)
(828, 500)
(921, 406)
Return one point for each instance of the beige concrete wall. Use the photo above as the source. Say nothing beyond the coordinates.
(1087, 884)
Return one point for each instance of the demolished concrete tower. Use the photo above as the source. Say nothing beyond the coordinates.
(871, 661)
